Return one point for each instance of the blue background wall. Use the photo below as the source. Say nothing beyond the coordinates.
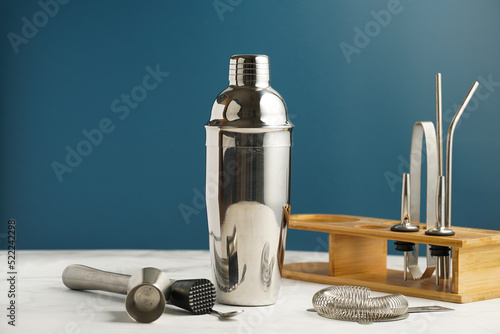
(142, 184)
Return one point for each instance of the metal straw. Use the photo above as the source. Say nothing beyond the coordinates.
(439, 124)
(449, 150)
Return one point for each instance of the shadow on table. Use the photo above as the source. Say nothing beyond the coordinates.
(177, 311)
(120, 316)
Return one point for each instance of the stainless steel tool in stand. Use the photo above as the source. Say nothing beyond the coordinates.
(438, 189)
(443, 215)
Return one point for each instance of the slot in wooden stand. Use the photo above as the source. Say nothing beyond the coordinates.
(358, 256)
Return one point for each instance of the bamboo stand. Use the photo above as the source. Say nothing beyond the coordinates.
(358, 256)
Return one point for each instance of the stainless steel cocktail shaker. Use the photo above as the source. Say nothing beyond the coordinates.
(249, 138)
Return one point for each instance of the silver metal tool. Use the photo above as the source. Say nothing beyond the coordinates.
(449, 149)
(405, 225)
(421, 131)
(409, 265)
(443, 218)
(442, 254)
(146, 290)
(438, 216)
(353, 303)
(439, 123)
(445, 229)
(248, 145)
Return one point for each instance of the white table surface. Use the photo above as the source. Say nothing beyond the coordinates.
(45, 305)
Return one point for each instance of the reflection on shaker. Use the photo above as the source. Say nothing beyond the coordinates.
(266, 267)
(227, 275)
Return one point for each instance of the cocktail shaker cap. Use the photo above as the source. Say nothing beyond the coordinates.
(249, 105)
(249, 70)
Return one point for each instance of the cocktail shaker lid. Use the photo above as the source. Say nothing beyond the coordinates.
(249, 70)
(249, 104)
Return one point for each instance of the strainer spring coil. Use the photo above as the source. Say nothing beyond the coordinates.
(353, 303)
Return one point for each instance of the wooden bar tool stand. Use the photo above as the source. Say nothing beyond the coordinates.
(358, 256)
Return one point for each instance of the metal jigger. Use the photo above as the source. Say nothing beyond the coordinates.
(147, 290)
(405, 225)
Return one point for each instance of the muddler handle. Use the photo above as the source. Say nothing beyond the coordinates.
(79, 277)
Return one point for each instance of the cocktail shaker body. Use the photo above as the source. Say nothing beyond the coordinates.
(249, 138)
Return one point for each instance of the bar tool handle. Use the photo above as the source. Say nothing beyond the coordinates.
(79, 277)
